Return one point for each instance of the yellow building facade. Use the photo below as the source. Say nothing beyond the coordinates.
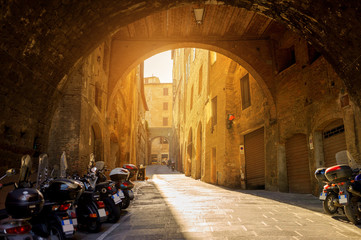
(159, 97)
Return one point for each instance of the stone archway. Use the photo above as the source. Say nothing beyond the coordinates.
(49, 42)
(159, 150)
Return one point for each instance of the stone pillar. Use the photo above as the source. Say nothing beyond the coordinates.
(350, 133)
(282, 168)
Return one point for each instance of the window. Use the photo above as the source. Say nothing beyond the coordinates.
(98, 97)
(285, 58)
(165, 106)
(313, 55)
(165, 121)
(334, 131)
(106, 58)
(165, 91)
(214, 111)
(200, 80)
(245, 92)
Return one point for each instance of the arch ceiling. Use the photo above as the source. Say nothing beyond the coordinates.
(41, 41)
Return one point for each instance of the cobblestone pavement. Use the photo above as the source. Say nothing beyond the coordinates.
(172, 206)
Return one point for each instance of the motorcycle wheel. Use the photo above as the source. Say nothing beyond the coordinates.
(56, 232)
(113, 209)
(352, 212)
(125, 200)
(93, 224)
(329, 204)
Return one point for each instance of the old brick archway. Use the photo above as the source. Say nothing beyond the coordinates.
(43, 41)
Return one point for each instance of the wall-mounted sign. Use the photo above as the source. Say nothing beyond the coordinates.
(310, 141)
(241, 149)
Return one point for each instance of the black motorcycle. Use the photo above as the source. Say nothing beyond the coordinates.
(329, 193)
(108, 193)
(348, 181)
(90, 208)
(59, 193)
(21, 205)
(10, 228)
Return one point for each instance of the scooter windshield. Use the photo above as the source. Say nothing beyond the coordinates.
(63, 165)
(100, 165)
(42, 170)
(91, 161)
(25, 168)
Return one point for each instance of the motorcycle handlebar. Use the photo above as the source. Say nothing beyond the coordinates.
(6, 184)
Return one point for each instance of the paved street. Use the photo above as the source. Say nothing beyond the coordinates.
(172, 206)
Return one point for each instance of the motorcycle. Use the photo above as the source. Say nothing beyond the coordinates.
(13, 228)
(90, 209)
(329, 193)
(60, 194)
(108, 193)
(121, 177)
(348, 181)
(21, 205)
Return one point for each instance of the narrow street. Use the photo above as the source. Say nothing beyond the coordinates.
(172, 206)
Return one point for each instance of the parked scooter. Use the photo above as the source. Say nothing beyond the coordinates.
(122, 178)
(329, 193)
(59, 194)
(348, 181)
(90, 209)
(12, 228)
(21, 205)
(108, 193)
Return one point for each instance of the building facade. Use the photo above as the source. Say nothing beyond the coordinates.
(86, 121)
(233, 131)
(159, 98)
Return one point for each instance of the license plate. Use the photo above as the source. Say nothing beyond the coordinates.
(101, 212)
(342, 199)
(75, 221)
(67, 226)
(121, 194)
(323, 196)
(116, 198)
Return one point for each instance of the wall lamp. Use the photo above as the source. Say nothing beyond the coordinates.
(198, 15)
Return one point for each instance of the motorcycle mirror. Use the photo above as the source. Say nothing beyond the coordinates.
(10, 172)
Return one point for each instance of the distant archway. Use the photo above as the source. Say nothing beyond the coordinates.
(159, 150)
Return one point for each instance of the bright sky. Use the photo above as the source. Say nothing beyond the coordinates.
(159, 65)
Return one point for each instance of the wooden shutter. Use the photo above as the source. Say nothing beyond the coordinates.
(298, 171)
(255, 159)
